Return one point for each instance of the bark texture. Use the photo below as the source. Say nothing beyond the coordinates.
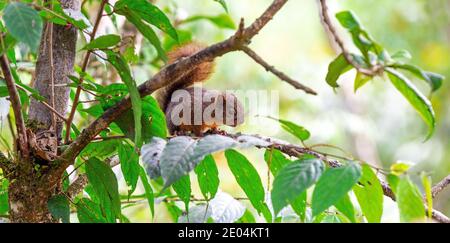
(64, 50)
(29, 191)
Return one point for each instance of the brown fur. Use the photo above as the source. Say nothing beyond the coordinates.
(201, 73)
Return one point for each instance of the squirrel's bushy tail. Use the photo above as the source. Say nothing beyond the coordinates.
(199, 74)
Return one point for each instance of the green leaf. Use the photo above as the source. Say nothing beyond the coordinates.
(275, 160)
(348, 20)
(369, 194)
(90, 212)
(102, 42)
(147, 32)
(149, 13)
(361, 80)
(208, 177)
(361, 38)
(416, 99)
(4, 205)
(129, 163)
(24, 24)
(8, 43)
(402, 54)
(345, 206)
(153, 121)
(299, 205)
(333, 185)
(409, 201)
(223, 3)
(433, 79)
(298, 131)
(59, 208)
(336, 68)
(223, 21)
(148, 190)
(175, 160)
(248, 179)
(125, 74)
(247, 218)
(293, 180)
(426, 182)
(399, 168)
(104, 183)
(183, 189)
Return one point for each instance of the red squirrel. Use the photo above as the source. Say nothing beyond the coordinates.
(208, 108)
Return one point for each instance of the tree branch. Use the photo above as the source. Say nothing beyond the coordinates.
(166, 76)
(439, 187)
(277, 73)
(17, 107)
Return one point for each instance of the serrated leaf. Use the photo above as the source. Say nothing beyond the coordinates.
(175, 160)
(151, 154)
(369, 194)
(58, 206)
(333, 185)
(102, 42)
(420, 103)
(125, 74)
(129, 163)
(24, 24)
(208, 177)
(409, 201)
(226, 209)
(336, 68)
(248, 179)
(293, 180)
(104, 183)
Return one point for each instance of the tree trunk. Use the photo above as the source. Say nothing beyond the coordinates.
(28, 191)
(28, 197)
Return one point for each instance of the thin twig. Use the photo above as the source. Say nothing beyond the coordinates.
(55, 112)
(52, 69)
(439, 187)
(276, 72)
(17, 107)
(83, 69)
(372, 71)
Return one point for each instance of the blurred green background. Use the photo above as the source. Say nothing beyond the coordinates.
(376, 124)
